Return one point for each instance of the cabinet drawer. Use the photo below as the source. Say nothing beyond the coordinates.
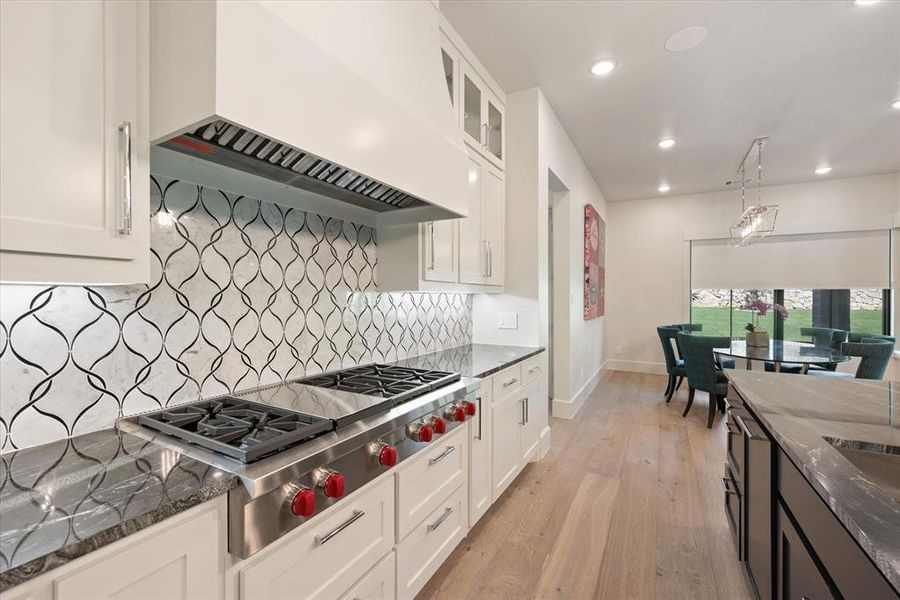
(532, 369)
(378, 584)
(424, 482)
(507, 381)
(430, 543)
(733, 511)
(326, 555)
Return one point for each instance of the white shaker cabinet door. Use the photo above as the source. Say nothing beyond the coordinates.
(440, 251)
(493, 224)
(74, 177)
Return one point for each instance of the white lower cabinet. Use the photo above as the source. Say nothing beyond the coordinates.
(181, 558)
(506, 436)
(480, 455)
(430, 543)
(321, 561)
(533, 423)
(378, 584)
(425, 481)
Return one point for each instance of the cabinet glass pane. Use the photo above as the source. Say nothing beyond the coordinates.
(495, 131)
(472, 109)
(448, 72)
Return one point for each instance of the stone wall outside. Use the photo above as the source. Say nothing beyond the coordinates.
(859, 299)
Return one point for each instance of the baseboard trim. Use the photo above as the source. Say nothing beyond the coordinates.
(544, 446)
(566, 409)
(637, 366)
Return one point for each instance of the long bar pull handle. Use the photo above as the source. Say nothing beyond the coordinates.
(127, 203)
(431, 242)
(506, 384)
(527, 410)
(484, 258)
(490, 259)
(441, 456)
(447, 512)
(480, 416)
(522, 423)
(484, 128)
(357, 515)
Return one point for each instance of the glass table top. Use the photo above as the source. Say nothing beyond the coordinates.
(784, 351)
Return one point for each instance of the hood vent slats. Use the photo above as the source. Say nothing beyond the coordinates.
(229, 145)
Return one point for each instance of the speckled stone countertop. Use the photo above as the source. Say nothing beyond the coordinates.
(62, 500)
(800, 412)
(473, 360)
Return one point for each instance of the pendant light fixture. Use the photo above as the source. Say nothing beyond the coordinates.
(757, 220)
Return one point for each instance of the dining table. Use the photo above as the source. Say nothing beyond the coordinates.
(781, 352)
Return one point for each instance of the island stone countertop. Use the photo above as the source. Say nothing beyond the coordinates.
(62, 500)
(473, 360)
(803, 413)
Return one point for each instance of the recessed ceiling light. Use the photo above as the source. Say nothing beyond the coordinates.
(864, 2)
(664, 187)
(685, 39)
(823, 170)
(603, 67)
(896, 105)
(666, 143)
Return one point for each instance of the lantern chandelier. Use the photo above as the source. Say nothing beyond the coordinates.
(757, 220)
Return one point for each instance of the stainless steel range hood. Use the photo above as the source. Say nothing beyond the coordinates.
(344, 99)
(238, 148)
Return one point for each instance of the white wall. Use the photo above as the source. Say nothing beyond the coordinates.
(537, 144)
(648, 257)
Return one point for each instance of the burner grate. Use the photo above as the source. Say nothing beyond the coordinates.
(239, 428)
(398, 384)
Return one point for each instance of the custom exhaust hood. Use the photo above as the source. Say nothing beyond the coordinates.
(343, 99)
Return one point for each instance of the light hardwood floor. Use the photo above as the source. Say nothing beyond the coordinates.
(627, 504)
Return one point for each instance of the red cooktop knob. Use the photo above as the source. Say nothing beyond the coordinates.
(334, 485)
(303, 504)
(459, 414)
(439, 425)
(470, 408)
(388, 456)
(425, 433)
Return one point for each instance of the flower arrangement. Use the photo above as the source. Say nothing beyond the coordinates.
(760, 309)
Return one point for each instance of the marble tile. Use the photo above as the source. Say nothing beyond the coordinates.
(243, 292)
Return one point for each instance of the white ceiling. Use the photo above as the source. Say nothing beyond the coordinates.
(818, 77)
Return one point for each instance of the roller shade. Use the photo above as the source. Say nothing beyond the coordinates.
(842, 260)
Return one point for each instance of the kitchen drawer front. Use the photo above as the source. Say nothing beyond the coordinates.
(735, 445)
(378, 584)
(733, 511)
(430, 543)
(532, 369)
(424, 482)
(847, 565)
(507, 381)
(321, 560)
(797, 574)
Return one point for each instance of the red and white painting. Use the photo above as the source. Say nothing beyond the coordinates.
(594, 264)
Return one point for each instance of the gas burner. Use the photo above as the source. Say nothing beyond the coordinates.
(398, 384)
(239, 428)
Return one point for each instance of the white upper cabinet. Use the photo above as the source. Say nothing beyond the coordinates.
(481, 240)
(74, 176)
(482, 116)
(440, 251)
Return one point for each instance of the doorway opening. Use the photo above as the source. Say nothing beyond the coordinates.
(558, 237)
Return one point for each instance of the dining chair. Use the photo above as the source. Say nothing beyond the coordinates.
(824, 337)
(703, 372)
(725, 363)
(874, 354)
(858, 336)
(674, 365)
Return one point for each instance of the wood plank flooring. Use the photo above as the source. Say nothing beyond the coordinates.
(627, 504)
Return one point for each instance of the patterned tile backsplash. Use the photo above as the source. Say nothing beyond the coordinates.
(244, 293)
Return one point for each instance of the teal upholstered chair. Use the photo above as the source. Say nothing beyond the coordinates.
(703, 371)
(726, 363)
(874, 353)
(857, 336)
(674, 365)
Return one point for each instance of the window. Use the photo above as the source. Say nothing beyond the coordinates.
(722, 312)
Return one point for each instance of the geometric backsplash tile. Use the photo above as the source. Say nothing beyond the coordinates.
(244, 293)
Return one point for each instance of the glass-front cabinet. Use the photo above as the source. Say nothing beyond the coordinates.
(450, 59)
(481, 115)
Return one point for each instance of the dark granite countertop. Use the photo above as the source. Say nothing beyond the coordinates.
(801, 412)
(62, 500)
(473, 360)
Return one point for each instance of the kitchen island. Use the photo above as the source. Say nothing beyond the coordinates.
(813, 484)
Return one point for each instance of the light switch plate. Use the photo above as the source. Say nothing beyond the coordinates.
(507, 320)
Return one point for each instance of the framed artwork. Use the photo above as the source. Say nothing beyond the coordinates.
(594, 264)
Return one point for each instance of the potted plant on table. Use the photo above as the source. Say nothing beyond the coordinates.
(758, 336)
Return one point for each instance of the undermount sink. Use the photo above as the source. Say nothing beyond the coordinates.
(879, 462)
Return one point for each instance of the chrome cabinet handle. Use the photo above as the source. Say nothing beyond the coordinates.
(480, 416)
(125, 132)
(484, 258)
(490, 259)
(510, 382)
(484, 128)
(357, 515)
(533, 369)
(523, 421)
(727, 485)
(527, 410)
(431, 232)
(447, 512)
(441, 456)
